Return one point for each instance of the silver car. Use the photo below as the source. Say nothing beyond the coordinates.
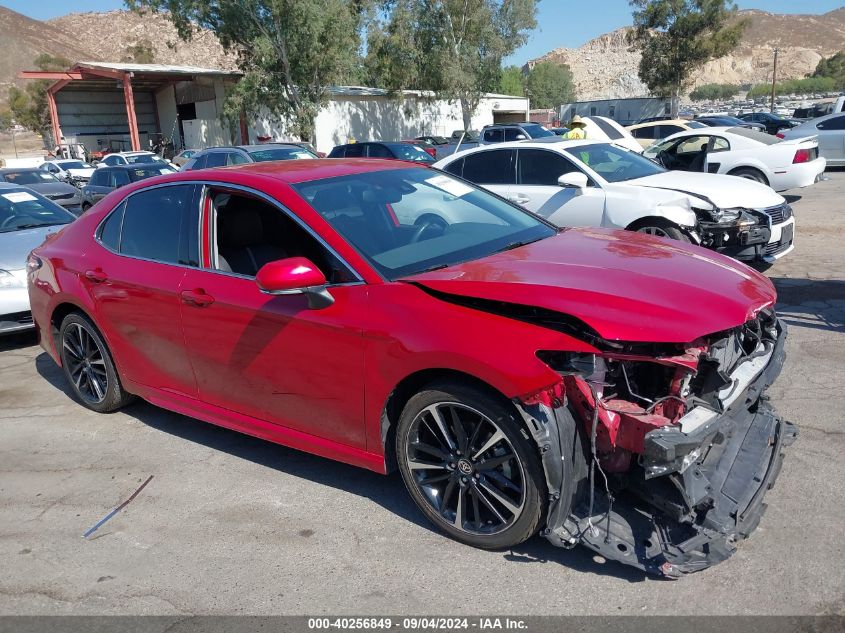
(831, 132)
(26, 218)
(46, 184)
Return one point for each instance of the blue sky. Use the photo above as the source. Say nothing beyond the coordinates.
(561, 22)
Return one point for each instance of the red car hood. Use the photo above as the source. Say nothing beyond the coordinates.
(626, 286)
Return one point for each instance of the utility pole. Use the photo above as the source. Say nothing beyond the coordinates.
(774, 79)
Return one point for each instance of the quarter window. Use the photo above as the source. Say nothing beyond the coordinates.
(216, 159)
(834, 123)
(156, 225)
(110, 231)
(493, 167)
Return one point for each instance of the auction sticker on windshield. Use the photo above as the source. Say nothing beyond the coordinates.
(450, 186)
(19, 196)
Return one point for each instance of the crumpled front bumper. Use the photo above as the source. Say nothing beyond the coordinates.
(698, 489)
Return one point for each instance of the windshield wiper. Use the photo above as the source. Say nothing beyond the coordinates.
(432, 268)
(517, 244)
(21, 227)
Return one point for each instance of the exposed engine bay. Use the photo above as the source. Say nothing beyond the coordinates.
(675, 446)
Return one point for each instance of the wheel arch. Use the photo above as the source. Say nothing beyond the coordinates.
(764, 173)
(410, 385)
(651, 220)
(60, 311)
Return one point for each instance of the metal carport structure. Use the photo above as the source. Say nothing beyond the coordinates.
(134, 81)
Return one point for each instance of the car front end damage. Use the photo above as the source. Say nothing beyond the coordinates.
(660, 456)
(751, 235)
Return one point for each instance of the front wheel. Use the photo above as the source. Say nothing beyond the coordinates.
(469, 465)
(662, 228)
(88, 366)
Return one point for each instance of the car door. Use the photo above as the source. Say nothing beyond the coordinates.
(271, 357)
(537, 189)
(832, 138)
(493, 169)
(146, 246)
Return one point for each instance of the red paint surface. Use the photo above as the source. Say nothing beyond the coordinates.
(318, 380)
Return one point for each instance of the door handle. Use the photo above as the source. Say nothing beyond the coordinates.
(97, 276)
(196, 298)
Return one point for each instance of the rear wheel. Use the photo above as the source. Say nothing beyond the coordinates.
(468, 464)
(88, 366)
(750, 174)
(661, 228)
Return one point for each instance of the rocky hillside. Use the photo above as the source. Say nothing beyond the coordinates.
(109, 34)
(605, 68)
(98, 36)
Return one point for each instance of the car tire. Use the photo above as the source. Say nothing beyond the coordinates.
(658, 227)
(89, 367)
(496, 479)
(750, 174)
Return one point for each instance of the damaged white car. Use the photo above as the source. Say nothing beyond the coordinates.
(589, 183)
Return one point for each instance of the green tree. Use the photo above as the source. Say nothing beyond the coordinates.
(141, 52)
(454, 47)
(713, 92)
(29, 104)
(832, 67)
(550, 85)
(290, 51)
(512, 81)
(676, 37)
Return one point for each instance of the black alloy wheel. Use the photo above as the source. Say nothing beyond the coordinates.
(88, 366)
(469, 467)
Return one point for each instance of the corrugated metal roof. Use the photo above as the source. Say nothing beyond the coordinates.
(156, 68)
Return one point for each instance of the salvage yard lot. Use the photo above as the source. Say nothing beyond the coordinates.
(231, 524)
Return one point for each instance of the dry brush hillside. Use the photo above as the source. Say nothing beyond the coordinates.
(605, 67)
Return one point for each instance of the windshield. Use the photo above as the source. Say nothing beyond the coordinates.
(695, 124)
(34, 177)
(143, 158)
(613, 163)
(281, 153)
(406, 221)
(25, 210)
(535, 130)
(74, 164)
(411, 152)
(140, 173)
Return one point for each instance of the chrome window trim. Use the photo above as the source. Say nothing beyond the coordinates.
(280, 207)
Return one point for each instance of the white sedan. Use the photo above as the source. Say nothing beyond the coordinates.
(781, 164)
(590, 183)
(69, 169)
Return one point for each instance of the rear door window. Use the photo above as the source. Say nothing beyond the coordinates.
(157, 225)
(542, 167)
(118, 178)
(495, 167)
(356, 150)
(378, 151)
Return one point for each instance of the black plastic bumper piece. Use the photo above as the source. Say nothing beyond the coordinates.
(687, 521)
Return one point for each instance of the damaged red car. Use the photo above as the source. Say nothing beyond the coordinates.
(596, 387)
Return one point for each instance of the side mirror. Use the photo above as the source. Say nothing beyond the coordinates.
(573, 179)
(295, 275)
(521, 137)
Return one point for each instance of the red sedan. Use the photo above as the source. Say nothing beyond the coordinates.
(598, 387)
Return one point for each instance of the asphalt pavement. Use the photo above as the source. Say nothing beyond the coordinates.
(234, 525)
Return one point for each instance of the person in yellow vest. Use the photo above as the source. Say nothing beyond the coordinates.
(577, 129)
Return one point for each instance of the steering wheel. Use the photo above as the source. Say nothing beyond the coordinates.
(6, 222)
(423, 227)
(664, 158)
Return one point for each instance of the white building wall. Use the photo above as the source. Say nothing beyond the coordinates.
(377, 117)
